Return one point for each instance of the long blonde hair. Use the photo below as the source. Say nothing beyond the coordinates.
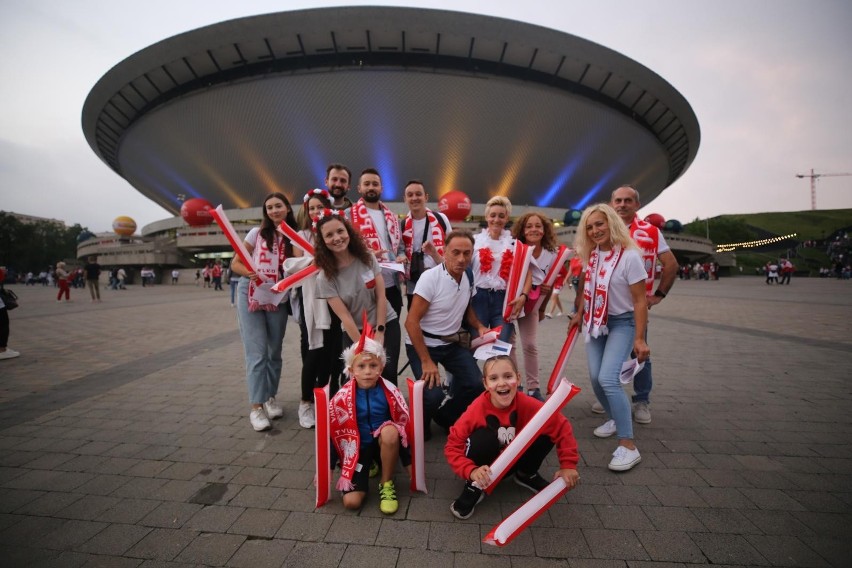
(618, 232)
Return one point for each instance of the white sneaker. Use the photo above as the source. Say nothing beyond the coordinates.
(258, 420)
(624, 459)
(272, 409)
(641, 413)
(9, 354)
(606, 429)
(306, 415)
(598, 408)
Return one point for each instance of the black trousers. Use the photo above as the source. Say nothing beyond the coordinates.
(483, 447)
(320, 366)
(4, 327)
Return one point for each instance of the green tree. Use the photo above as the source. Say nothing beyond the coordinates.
(35, 246)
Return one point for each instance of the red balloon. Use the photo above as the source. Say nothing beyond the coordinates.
(455, 205)
(656, 219)
(196, 212)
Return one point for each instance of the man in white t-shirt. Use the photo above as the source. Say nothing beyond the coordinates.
(423, 235)
(441, 304)
(625, 201)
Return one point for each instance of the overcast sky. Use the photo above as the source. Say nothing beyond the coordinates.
(770, 82)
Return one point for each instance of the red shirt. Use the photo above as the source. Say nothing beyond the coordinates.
(558, 429)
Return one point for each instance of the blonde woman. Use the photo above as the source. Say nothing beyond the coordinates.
(492, 260)
(614, 313)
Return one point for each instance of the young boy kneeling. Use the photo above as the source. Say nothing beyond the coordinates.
(490, 423)
(368, 420)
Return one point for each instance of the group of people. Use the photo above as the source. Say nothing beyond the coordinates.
(701, 271)
(782, 269)
(455, 285)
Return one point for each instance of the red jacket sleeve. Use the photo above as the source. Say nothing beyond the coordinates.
(454, 451)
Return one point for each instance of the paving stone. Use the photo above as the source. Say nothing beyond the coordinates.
(454, 537)
(258, 497)
(403, 534)
(311, 555)
(673, 519)
(162, 544)
(129, 511)
(786, 551)
(261, 554)
(677, 496)
(622, 517)
(102, 484)
(670, 546)
(47, 504)
(305, 526)
(211, 549)
(416, 558)
(377, 556)
(258, 523)
(114, 540)
(631, 495)
(559, 543)
(728, 549)
(170, 515)
(213, 518)
(836, 552)
(90, 507)
(28, 530)
(605, 543)
(71, 534)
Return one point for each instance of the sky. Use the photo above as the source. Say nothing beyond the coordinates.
(769, 80)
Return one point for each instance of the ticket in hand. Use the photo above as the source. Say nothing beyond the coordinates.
(489, 337)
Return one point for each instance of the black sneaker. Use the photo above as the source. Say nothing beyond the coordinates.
(462, 508)
(534, 482)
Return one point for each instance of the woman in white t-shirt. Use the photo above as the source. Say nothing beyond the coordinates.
(350, 280)
(614, 314)
(262, 323)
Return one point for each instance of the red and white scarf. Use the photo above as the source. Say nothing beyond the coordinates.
(362, 221)
(436, 233)
(344, 426)
(596, 290)
(269, 264)
(647, 236)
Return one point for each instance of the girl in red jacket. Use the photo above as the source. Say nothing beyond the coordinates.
(490, 423)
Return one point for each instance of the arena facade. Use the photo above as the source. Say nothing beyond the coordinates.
(484, 105)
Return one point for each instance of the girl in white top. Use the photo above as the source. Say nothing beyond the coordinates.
(614, 313)
(536, 231)
(262, 325)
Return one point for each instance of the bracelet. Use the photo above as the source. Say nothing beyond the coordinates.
(525, 295)
(659, 293)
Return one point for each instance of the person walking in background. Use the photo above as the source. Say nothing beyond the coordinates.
(175, 276)
(5, 352)
(92, 271)
(787, 270)
(121, 276)
(216, 275)
(613, 312)
(62, 278)
(536, 231)
(233, 281)
(262, 315)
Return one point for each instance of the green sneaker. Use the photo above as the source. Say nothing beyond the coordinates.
(387, 493)
(374, 470)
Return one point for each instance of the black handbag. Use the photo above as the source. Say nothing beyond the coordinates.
(10, 299)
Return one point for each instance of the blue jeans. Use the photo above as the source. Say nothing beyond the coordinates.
(606, 354)
(263, 336)
(643, 382)
(488, 307)
(233, 284)
(465, 383)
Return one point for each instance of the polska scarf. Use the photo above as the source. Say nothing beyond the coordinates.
(434, 229)
(596, 290)
(344, 426)
(647, 236)
(364, 223)
(269, 264)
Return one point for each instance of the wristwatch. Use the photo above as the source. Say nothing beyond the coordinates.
(659, 293)
(380, 328)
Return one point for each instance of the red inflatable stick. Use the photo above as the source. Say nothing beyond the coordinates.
(296, 238)
(562, 360)
(238, 245)
(322, 447)
(524, 439)
(513, 525)
(415, 435)
(550, 278)
(517, 276)
(293, 279)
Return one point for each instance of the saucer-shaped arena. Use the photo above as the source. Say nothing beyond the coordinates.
(485, 105)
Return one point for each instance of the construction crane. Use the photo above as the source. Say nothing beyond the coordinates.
(814, 178)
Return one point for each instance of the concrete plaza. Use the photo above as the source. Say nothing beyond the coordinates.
(125, 441)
